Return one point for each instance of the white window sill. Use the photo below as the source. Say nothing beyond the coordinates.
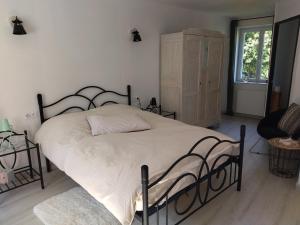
(251, 83)
(250, 86)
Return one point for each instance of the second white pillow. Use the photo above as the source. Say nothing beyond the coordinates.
(116, 124)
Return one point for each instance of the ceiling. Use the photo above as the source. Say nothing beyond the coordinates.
(233, 8)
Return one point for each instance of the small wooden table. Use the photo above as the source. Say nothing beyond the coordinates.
(284, 158)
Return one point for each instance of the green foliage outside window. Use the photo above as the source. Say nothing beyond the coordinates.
(251, 55)
(266, 55)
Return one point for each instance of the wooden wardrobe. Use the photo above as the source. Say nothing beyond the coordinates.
(191, 68)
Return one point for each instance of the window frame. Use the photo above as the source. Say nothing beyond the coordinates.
(240, 52)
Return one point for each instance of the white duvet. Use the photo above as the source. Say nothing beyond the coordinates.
(109, 166)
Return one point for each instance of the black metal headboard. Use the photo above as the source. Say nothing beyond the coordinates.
(90, 100)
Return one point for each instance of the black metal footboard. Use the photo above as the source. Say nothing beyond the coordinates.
(209, 181)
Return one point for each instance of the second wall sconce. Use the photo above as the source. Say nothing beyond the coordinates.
(18, 27)
(136, 37)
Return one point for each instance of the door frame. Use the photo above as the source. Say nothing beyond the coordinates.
(273, 59)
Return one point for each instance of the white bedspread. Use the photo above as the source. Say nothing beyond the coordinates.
(109, 166)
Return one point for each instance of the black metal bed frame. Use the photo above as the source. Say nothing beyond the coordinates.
(231, 168)
(79, 94)
(226, 168)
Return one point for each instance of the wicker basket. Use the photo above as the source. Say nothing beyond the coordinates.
(284, 157)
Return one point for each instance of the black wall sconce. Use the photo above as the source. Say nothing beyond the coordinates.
(136, 37)
(18, 27)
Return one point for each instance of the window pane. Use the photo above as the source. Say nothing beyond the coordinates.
(250, 55)
(266, 55)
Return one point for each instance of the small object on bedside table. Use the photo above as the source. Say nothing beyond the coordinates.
(6, 176)
(6, 144)
(12, 178)
(153, 107)
(5, 126)
(284, 157)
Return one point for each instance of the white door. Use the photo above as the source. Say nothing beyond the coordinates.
(213, 80)
(190, 81)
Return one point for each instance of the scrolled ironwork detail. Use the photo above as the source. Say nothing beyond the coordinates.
(79, 94)
(225, 168)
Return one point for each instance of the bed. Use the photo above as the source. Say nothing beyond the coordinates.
(114, 168)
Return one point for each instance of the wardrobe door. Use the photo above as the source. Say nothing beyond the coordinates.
(190, 82)
(171, 72)
(213, 80)
(201, 114)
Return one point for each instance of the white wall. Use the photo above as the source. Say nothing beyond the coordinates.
(250, 99)
(73, 43)
(285, 9)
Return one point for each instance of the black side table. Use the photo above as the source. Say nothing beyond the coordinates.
(158, 110)
(26, 174)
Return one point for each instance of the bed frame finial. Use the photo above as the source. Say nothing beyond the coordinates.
(145, 183)
(129, 94)
(41, 109)
(241, 157)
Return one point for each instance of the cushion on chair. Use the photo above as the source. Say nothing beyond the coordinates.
(290, 121)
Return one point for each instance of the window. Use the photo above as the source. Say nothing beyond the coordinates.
(253, 58)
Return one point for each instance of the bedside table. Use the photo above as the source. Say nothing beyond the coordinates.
(26, 174)
(158, 110)
(284, 157)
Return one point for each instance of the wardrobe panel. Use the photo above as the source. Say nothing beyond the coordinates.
(191, 78)
(214, 76)
(170, 99)
(201, 114)
(191, 63)
(215, 62)
(189, 109)
(212, 107)
(171, 60)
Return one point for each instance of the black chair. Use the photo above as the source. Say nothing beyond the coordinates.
(267, 127)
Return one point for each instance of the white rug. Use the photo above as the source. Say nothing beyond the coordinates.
(74, 207)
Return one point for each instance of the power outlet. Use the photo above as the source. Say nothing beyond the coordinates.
(137, 102)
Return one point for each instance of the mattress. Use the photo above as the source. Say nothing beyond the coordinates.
(109, 166)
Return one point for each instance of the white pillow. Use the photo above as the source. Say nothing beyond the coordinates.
(116, 124)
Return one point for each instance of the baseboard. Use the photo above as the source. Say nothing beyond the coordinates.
(248, 116)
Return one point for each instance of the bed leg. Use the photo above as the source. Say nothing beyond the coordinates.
(48, 165)
(241, 157)
(145, 183)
